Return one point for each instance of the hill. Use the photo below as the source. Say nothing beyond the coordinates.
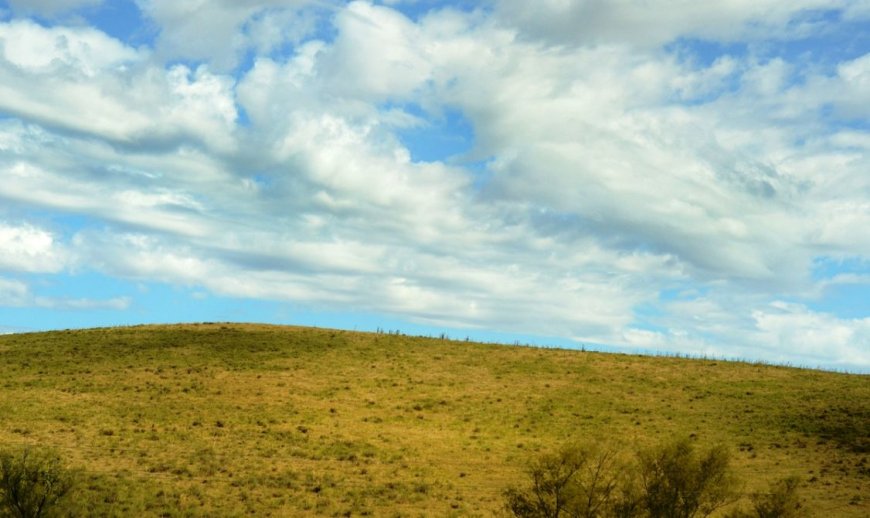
(231, 419)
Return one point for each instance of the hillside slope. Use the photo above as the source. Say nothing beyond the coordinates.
(245, 419)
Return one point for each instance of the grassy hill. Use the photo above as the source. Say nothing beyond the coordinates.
(215, 419)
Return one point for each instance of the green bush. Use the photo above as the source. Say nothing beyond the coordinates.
(575, 481)
(782, 501)
(676, 482)
(551, 480)
(32, 483)
(671, 481)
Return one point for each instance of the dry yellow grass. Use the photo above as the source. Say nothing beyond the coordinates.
(204, 420)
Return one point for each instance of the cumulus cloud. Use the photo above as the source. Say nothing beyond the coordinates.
(33, 48)
(83, 81)
(29, 249)
(592, 139)
(219, 31)
(366, 31)
(789, 330)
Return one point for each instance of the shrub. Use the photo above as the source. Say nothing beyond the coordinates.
(678, 483)
(671, 481)
(32, 483)
(782, 501)
(575, 481)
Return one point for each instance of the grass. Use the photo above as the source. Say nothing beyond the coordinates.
(231, 419)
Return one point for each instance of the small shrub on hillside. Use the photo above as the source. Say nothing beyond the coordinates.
(782, 501)
(575, 481)
(32, 483)
(676, 482)
(672, 481)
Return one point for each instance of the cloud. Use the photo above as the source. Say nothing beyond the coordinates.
(365, 31)
(161, 210)
(854, 79)
(615, 158)
(591, 22)
(33, 48)
(14, 293)
(67, 304)
(29, 249)
(219, 31)
(778, 332)
(792, 330)
(81, 80)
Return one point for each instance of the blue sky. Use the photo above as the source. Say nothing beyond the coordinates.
(659, 177)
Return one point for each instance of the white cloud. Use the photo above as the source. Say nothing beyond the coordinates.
(791, 330)
(654, 23)
(34, 48)
(160, 211)
(855, 80)
(380, 49)
(29, 249)
(777, 332)
(219, 31)
(65, 304)
(13, 293)
(271, 29)
(84, 81)
(198, 29)
(588, 135)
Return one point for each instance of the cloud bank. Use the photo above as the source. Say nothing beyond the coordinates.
(661, 177)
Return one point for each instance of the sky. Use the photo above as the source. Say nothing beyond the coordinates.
(664, 177)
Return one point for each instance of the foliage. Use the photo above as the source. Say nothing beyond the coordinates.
(782, 501)
(671, 481)
(32, 483)
(678, 483)
(575, 481)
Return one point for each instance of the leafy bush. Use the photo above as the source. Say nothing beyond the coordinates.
(671, 481)
(678, 483)
(32, 483)
(782, 501)
(575, 481)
